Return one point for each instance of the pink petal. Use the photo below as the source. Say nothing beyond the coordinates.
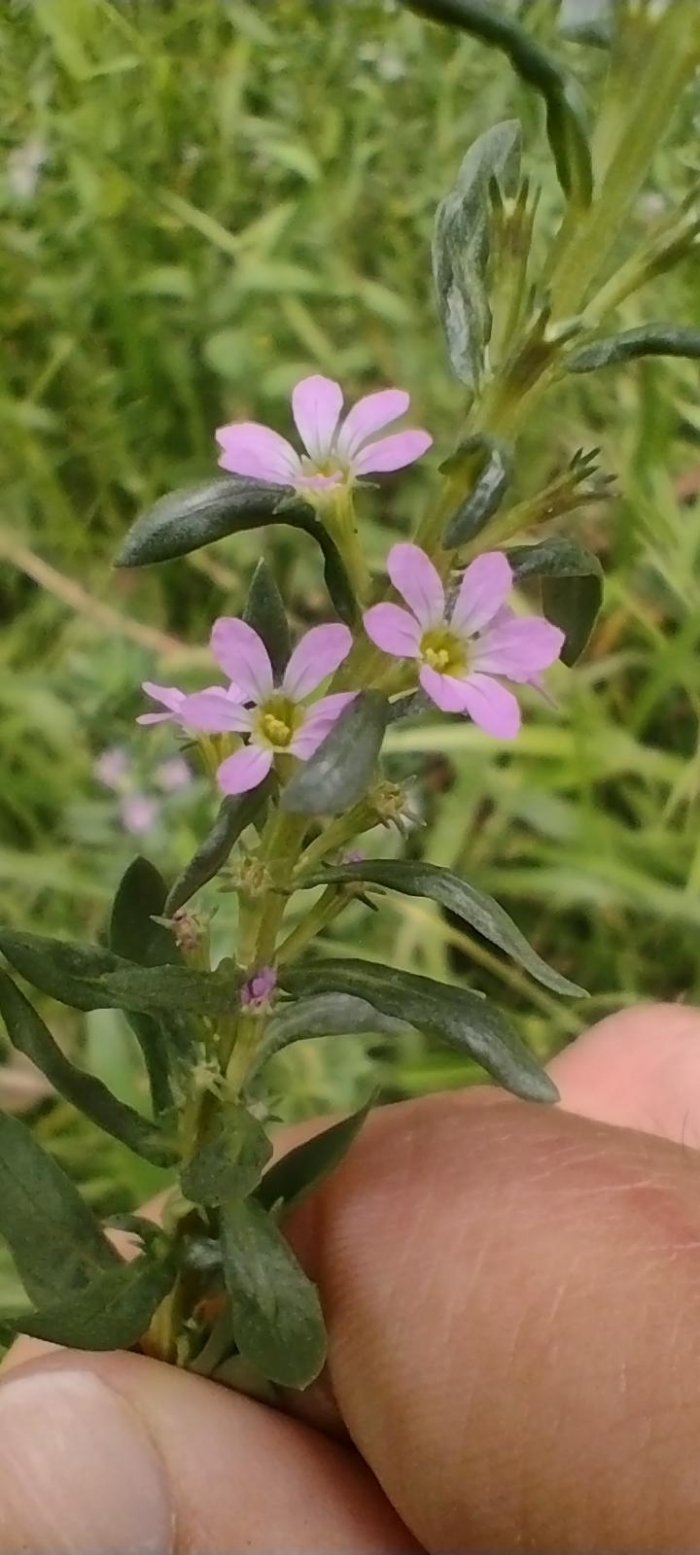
(257, 451)
(214, 714)
(318, 723)
(446, 691)
(317, 482)
(391, 453)
(492, 707)
(418, 581)
(242, 655)
(244, 770)
(169, 697)
(369, 415)
(394, 630)
(519, 649)
(484, 587)
(317, 655)
(316, 406)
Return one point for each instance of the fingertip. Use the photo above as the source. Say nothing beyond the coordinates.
(638, 1068)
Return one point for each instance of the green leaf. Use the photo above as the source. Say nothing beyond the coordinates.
(342, 768)
(89, 978)
(184, 521)
(265, 612)
(111, 1313)
(141, 897)
(275, 1310)
(327, 1015)
(300, 1171)
(481, 912)
(458, 1016)
(492, 473)
(565, 128)
(133, 935)
(648, 340)
(572, 587)
(461, 243)
(55, 1240)
(29, 1035)
(587, 21)
(230, 1162)
(236, 812)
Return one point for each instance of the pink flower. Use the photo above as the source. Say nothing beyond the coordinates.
(277, 721)
(258, 990)
(335, 452)
(111, 768)
(462, 653)
(138, 813)
(172, 776)
(171, 698)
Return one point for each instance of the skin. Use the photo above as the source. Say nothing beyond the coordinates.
(511, 1293)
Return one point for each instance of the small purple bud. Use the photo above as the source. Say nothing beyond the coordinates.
(258, 990)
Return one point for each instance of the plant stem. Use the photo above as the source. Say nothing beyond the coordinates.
(328, 907)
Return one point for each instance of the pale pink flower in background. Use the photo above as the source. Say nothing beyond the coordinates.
(171, 700)
(277, 721)
(112, 767)
(258, 990)
(335, 452)
(139, 813)
(172, 776)
(465, 650)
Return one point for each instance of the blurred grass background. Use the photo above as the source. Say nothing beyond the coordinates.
(200, 201)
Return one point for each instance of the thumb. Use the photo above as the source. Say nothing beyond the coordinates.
(119, 1455)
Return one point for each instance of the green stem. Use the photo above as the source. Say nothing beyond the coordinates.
(328, 907)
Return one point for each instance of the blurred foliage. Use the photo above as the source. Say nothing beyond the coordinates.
(200, 201)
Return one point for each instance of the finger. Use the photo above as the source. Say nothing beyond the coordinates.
(121, 1454)
(640, 1069)
(511, 1293)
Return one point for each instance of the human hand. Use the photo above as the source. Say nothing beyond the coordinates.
(511, 1294)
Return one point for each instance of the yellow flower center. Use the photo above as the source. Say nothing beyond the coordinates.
(278, 721)
(442, 650)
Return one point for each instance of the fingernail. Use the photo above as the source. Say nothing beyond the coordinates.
(79, 1473)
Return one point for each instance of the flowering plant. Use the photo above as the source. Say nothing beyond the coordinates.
(291, 737)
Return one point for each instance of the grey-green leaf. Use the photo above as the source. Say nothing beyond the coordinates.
(111, 1313)
(235, 814)
(458, 1016)
(300, 1171)
(413, 877)
(275, 1309)
(184, 521)
(461, 244)
(30, 1036)
(342, 768)
(572, 587)
(265, 612)
(140, 897)
(647, 340)
(327, 1015)
(231, 1160)
(492, 473)
(56, 1242)
(89, 978)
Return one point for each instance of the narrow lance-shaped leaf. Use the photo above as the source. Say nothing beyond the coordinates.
(565, 127)
(265, 612)
(300, 1171)
(111, 1313)
(572, 587)
(236, 812)
(460, 1017)
(414, 878)
(30, 1036)
(89, 978)
(184, 521)
(461, 245)
(647, 340)
(342, 768)
(230, 1161)
(56, 1242)
(275, 1310)
(139, 899)
(492, 473)
(327, 1015)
